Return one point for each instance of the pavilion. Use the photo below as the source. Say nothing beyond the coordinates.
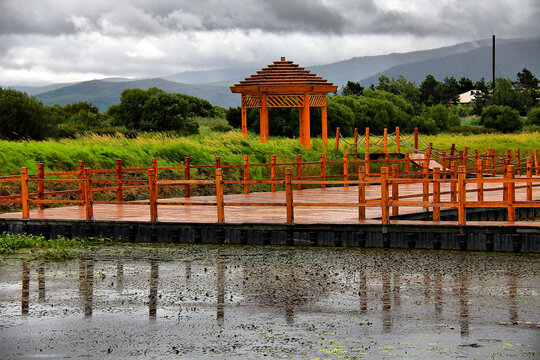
(284, 85)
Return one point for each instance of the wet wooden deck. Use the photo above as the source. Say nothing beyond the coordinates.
(264, 214)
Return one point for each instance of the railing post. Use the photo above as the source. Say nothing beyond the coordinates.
(119, 178)
(462, 193)
(518, 162)
(40, 184)
(480, 176)
(436, 194)
(25, 208)
(81, 183)
(425, 184)
(289, 196)
(398, 144)
(407, 164)
(452, 149)
(345, 169)
(461, 158)
(355, 141)
(511, 197)
(367, 140)
(155, 167)
(529, 175)
(337, 139)
(384, 195)
(361, 194)
(366, 163)
(430, 147)
(453, 185)
(395, 189)
(476, 156)
(416, 140)
(88, 194)
(506, 176)
(493, 165)
(536, 165)
(465, 153)
(298, 171)
(385, 139)
(246, 174)
(152, 194)
(217, 164)
(219, 196)
(273, 172)
(187, 176)
(444, 167)
(387, 160)
(323, 170)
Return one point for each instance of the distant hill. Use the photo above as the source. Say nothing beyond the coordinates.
(511, 57)
(340, 72)
(103, 93)
(471, 59)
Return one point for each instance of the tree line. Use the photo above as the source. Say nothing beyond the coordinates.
(432, 107)
(25, 117)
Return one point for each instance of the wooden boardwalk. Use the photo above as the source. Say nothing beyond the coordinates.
(312, 214)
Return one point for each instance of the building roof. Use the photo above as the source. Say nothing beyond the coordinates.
(468, 96)
(283, 77)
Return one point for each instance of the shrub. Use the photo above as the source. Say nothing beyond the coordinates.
(220, 128)
(533, 116)
(468, 130)
(501, 118)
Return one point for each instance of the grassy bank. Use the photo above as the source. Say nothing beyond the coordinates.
(38, 247)
(102, 151)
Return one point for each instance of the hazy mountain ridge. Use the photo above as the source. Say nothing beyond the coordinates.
(471, 59)
(511, 57)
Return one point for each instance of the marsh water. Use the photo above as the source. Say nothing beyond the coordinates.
(199, 302)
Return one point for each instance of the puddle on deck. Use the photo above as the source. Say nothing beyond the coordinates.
(200, 302)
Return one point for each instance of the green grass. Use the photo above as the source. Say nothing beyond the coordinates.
(102, 151)
(38, 247)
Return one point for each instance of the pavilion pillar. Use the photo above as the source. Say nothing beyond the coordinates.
(301, 125)
(264, 119)
(305, 122)
(244, 122)
(324, 126)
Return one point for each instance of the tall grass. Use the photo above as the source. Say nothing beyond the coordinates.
(101, 151)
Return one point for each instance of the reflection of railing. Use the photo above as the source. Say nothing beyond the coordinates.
(452, 172)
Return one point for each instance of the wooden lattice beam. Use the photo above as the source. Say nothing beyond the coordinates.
(251, 101)
(285, 101)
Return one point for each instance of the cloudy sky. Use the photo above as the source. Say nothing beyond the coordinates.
(51, 41)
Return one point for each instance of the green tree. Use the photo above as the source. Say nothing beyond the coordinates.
(23, 116)
(506, 95)
(402, 87)
(156, 110)
(428, 90)
(353, 88)
(443, 118)
(533, 116)
(501, 118)
(465, 84)
(528, 83)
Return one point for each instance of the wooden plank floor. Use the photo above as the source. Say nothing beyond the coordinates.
(266, 214)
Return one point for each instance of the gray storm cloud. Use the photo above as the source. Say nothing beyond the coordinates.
(40, 38)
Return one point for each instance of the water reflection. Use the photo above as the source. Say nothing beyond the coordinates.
(463, 306)
(394, 289)
(152, 296)
(25, 287)
(41, 282)
(220, 273)
(86, 284)
(119, 275)
(512, 290)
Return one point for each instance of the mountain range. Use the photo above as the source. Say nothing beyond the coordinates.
(470, 59)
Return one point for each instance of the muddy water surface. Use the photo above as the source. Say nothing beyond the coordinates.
(199, 302)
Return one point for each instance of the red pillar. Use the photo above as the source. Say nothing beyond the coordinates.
(264, 119)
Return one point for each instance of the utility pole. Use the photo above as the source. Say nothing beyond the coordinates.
(493, 61)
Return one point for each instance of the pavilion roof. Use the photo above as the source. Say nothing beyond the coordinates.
(283, 76)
